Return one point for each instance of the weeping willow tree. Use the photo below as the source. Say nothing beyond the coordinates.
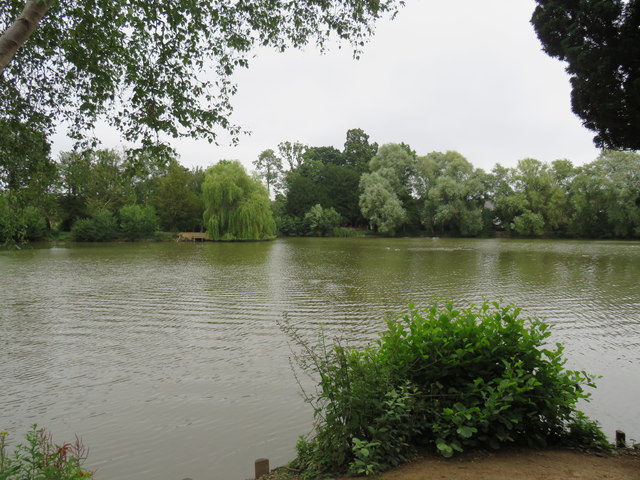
(236, 205)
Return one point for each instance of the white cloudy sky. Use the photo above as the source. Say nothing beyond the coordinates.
(457, 75)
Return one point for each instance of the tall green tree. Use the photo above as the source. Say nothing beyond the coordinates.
(327, 155)
(605, 197)
(24, 156)
(600, 41)
(94, 179)
(358, 152)
(380, 204)
(292, 153)
(452, 194)
(269, 166)
(237, 206)
(177, 198)
(27, 171)
(389, 184)
(533, 198)
(148, 63)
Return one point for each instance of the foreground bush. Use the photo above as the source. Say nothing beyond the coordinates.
(41, 459)
(445, 379)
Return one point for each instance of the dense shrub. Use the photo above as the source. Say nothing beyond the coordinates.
(528, 223)
(320, 221)
(19, 224)
(35, 224)
(291, 226)
(100, 227)
(137, 222)
(41, 459)
(445, 379)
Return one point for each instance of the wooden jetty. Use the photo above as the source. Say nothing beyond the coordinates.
(192, 237)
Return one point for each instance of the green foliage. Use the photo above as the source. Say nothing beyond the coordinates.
(100, 227)
(358, 152)
(41, 459)
(24, 157)
(19, 224)
(35, 224)
(605, 197)
(528, 223)
(236, 206)
(292, 153)
(137, 222)
(321, 221)
(95, 179)
(600, 41)
(269, 166)
(348, 232)
(323, 178)
(380, 205)
(177, 199)
(150, 56)
(446, 378)
(451, 194)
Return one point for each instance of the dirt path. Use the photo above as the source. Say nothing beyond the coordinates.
(521, 465)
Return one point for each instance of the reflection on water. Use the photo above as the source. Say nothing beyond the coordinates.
(166, 358)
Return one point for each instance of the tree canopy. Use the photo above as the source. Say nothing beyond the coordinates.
(236, 206)
(600, 41)
(154, 67)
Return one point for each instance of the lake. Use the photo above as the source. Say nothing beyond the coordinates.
(167, 358)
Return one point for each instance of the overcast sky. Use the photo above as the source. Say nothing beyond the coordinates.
(444, 75)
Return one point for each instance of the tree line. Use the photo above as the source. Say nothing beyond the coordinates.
(393, 191)
(299, 190)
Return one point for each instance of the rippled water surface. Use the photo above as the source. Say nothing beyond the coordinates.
(168, 361)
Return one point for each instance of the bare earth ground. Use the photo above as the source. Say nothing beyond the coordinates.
(514, 464)
(521, 465)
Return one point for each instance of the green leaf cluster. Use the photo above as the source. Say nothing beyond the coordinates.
(155, 69)
(134, 222)
(137, 222)
(102, 226)
(443, 378)
(600, 42)
(321, 221)
(19, 223)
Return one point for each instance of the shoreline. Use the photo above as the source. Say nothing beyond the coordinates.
(508, 464)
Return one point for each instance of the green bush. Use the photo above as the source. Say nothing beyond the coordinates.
(41, 459)
(320, 221)
(443, 378)
(291, 226)
(100, 227)
(528, 223)
(19, 224)
(35, 224)
(137, 222)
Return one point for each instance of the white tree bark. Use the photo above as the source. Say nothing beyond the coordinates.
(20, 30)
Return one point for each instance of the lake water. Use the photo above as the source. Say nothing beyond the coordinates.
(167, 358)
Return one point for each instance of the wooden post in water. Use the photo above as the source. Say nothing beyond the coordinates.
(262, 467)
(621, 439)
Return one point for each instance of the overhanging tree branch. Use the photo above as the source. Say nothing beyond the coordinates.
(20, 31)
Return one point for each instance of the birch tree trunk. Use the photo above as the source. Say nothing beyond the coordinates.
(19, 32)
